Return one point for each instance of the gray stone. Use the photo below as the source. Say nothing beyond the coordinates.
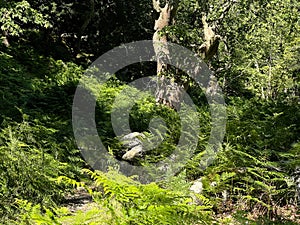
(133, 145)
(131, 140)
(132, 153)
(197, 186)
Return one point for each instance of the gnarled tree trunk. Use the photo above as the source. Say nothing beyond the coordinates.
(168, 92)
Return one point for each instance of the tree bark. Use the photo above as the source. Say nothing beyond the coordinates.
(5, 39)
(210, 47)
(167, 92)
(5, 34)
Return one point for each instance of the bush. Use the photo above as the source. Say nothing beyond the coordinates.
(29, 166)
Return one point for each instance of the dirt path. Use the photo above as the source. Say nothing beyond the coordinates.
(80, 200)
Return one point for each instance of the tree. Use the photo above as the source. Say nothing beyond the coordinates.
(19, 17)
(166, 18)
(170, 92)
(260, 51)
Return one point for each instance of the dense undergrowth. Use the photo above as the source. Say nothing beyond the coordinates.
(40, 162)
(36, 133)
(45, 48)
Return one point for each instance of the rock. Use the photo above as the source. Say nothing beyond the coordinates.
(131, 140)
(133, 144)
(133, 135)
(197, 186)
(134, 152)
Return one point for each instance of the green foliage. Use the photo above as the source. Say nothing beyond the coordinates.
(255, 166)
(17, 16)
(252, 169)
(126, 201)
(146, 204)
(251, 182)
(37, 215)
(46, 84)
(257, 66)
(36, 136)
(29, 166)
(261, 41)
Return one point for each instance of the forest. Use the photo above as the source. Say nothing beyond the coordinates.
(149, 112)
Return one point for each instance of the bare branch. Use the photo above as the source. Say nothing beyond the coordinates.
(156, 5)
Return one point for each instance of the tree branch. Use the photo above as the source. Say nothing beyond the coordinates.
(211, 44)
(156, 5)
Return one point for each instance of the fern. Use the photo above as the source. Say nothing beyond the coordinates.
(146, 204)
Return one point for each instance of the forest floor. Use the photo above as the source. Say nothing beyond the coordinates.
(81, 200)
